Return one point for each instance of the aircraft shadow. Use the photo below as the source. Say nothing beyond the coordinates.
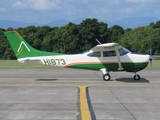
(142, 80)
(44, 80)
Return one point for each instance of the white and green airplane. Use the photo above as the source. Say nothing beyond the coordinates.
(104, 57)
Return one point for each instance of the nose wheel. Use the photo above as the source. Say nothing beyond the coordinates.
(136, 77)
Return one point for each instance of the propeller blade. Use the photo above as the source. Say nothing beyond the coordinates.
(150, 51)
(151, 57)
(150, 62)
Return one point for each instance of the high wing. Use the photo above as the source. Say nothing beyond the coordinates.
(106, 46)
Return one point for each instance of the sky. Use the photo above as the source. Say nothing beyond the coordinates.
(45, 11)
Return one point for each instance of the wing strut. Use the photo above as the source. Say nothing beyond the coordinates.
(118, 58)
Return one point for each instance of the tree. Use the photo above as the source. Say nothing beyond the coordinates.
(90, 30)
(140, 39)
(5, 49)
(157, 25)
(73, 38)
(115, 33)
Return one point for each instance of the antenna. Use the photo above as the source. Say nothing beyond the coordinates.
(98, 41)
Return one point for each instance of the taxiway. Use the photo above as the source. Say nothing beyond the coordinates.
(71, 94)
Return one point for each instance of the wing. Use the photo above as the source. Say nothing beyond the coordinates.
(105, 46)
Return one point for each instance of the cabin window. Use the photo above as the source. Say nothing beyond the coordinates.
(123, 51)
(109, 53)
(95, 54)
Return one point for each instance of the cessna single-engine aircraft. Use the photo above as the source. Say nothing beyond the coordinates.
(104, 57)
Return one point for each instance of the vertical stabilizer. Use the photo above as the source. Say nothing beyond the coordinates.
(22, 49)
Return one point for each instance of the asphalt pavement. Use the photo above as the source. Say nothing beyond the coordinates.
(73, 94)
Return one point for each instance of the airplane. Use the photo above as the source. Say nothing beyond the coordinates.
(104, 57)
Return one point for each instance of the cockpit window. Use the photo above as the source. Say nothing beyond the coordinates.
(109, 53)
(123, 51)
(95, 54)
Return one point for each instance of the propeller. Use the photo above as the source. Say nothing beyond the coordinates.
(151, 57)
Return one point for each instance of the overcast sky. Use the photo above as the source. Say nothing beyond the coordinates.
(45, 11)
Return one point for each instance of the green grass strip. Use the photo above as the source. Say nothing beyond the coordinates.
(155, 64)
(14, 64)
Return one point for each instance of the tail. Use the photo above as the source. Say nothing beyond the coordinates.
(22, 49)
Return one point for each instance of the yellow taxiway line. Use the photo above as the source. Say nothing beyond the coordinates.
(84, 108)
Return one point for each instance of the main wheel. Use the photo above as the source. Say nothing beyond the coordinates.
(137, 77)
(106, 77)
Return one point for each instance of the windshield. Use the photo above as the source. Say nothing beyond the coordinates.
(94, 54)
(123, 51)
(85, 52)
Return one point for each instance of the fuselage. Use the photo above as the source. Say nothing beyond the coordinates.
(89, 60)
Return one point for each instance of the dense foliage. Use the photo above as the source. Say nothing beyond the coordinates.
(76, 38)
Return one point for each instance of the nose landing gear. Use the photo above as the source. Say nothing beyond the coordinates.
(136, 77)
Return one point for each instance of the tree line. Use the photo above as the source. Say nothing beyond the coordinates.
(76, 38)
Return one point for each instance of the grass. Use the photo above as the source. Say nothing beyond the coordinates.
(155, 65)
(14, 64)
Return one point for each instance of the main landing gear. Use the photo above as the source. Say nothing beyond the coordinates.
(107, 77)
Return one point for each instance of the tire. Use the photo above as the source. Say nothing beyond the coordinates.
(106, 77)
(137, 77)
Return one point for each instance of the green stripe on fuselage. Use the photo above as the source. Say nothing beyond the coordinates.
(129, 67)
